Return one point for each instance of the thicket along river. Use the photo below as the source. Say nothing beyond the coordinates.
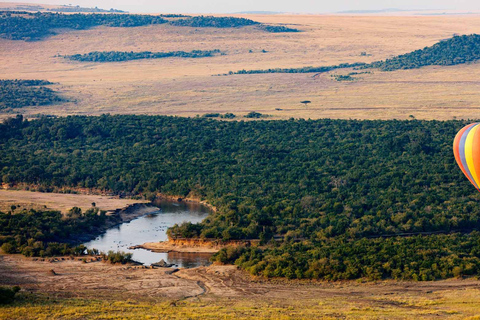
(153, 228)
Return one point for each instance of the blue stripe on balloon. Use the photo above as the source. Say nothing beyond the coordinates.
(461, 147)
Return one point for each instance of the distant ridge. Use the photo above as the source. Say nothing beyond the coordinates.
(376, 11)
(78, 9)
(11, 6)
(259, 12)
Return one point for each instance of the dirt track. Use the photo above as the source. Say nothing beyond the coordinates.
(229, 289)
(74, 277)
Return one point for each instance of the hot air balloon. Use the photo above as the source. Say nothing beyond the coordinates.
(466, 148)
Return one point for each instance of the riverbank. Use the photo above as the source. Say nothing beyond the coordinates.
(194, 245)
(65, 198)
(188, 199)
(117, 217)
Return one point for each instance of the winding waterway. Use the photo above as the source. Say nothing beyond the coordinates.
(153, 228)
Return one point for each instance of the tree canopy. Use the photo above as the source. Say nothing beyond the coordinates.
(342, 193)
(23, 93)
(114, 56)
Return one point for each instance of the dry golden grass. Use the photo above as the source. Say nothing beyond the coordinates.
(186, 87)
(58, 201)
(96, 290)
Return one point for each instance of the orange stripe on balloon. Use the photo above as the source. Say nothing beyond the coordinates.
(469, 153)
(476, 156)
(456, 152)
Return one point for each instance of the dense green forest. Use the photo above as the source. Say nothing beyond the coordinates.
(19, 25)
(320, 182)
(419, 258)
(456, 50)
(453, 51)
(23, 93)
(115, 56)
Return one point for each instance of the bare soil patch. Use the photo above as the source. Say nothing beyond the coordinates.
(226, 286)
(60, 201)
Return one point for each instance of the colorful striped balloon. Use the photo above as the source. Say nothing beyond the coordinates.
(466, 148)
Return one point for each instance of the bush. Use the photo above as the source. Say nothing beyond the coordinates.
(253, 115)
(228, 116)
(211, 115)
(7, 294)
(23, 93)
(117, 257)
(8, 248)
(277, 29)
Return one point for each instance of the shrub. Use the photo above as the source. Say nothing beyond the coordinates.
(7, 294)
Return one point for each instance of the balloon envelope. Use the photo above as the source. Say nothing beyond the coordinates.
(466, 148)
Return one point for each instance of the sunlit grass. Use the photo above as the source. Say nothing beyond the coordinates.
(454, 304)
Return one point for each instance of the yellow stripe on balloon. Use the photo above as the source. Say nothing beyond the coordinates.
(469, 154)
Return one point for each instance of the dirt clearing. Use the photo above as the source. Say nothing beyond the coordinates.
(60, 201)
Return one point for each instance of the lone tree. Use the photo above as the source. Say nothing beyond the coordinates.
(305, 102)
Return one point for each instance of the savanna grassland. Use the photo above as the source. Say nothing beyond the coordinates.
(366, 218)
(188, 87)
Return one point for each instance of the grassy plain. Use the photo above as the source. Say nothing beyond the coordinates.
(59, 201)
(96, 290)
(187, 87)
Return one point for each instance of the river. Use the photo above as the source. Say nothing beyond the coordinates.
(153, 228)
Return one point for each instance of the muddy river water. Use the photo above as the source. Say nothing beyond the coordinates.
(153, 228)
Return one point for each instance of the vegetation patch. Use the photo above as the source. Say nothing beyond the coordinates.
(456, 50)
(255, 115)
(348, 77)
(28, 26)
(116, 56)
(35, 26)
(24, 93)
(418, 258)
(329, 187)
(277, 29)
(214, 22)
(301, 70)
(7, 294)
(47, 233)
(218, 115)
